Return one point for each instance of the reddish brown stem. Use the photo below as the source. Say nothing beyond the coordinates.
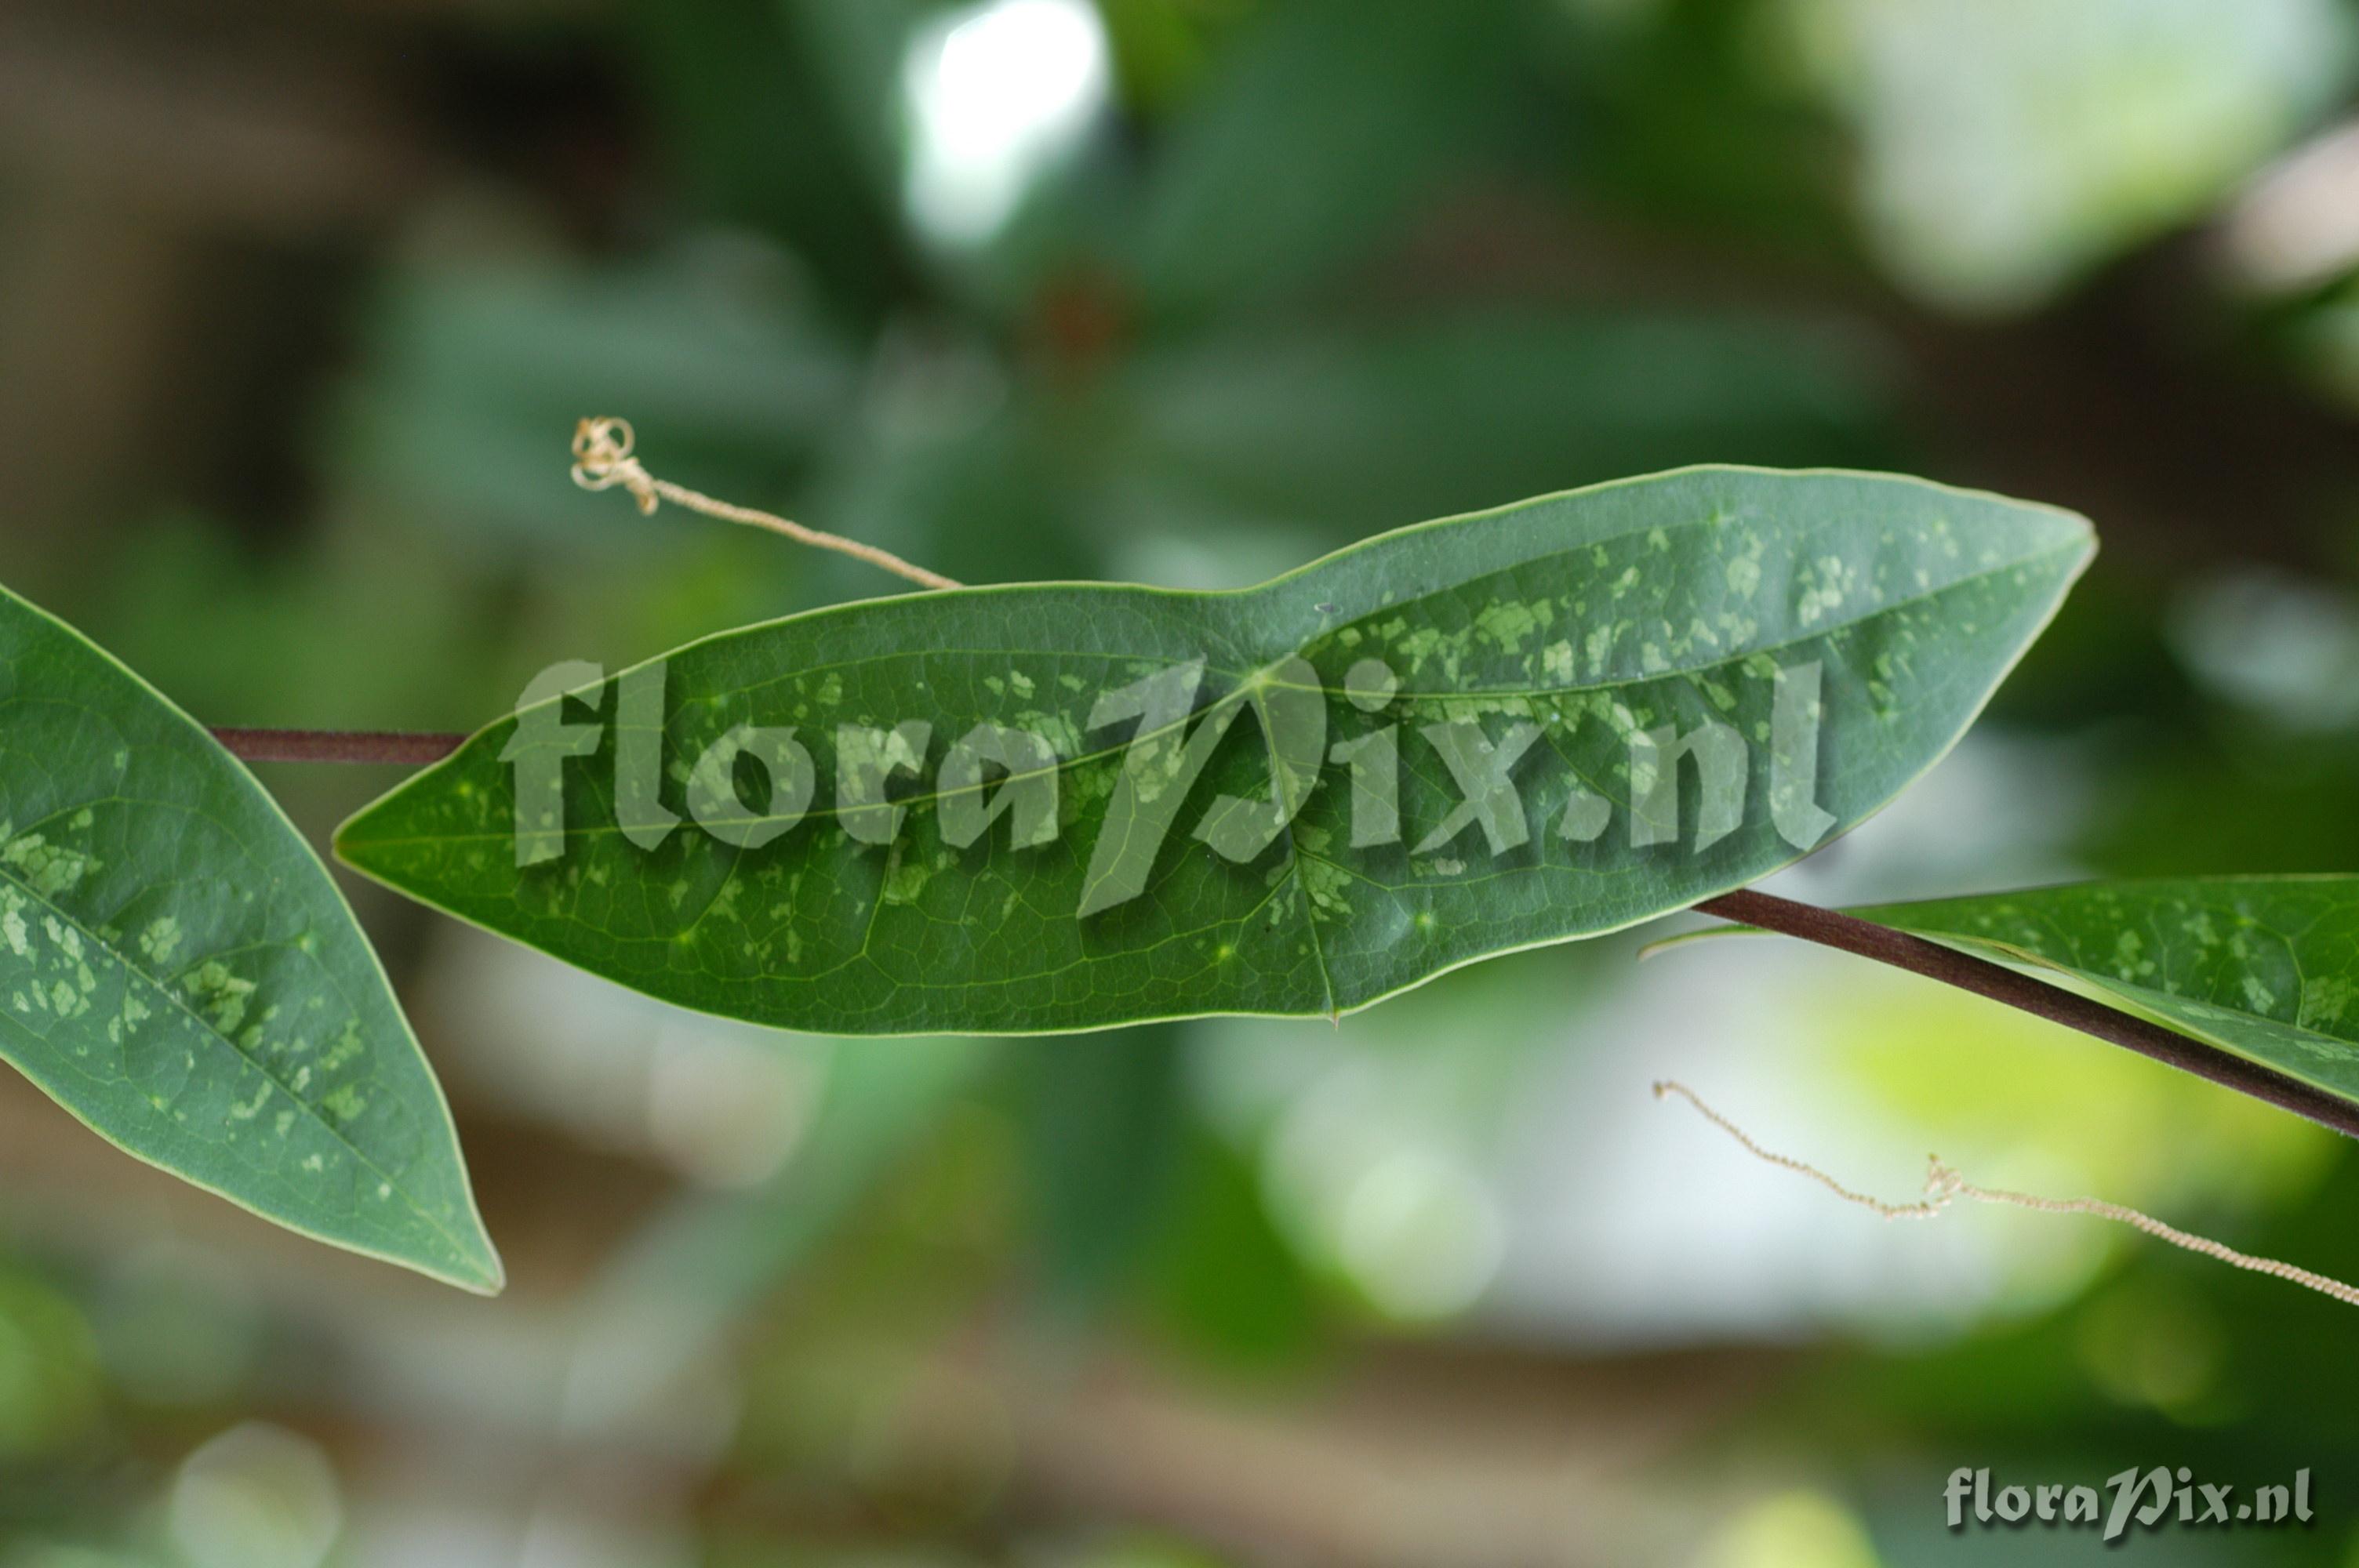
(1746, 907)
(1831, 929)
(412, 748)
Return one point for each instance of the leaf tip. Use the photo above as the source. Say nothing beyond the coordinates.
(480, 1270)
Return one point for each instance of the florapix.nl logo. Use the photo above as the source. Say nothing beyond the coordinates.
(756, 782)
(2151, 1498)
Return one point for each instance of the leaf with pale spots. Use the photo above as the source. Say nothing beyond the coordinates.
(177, 970)
(2267, 967)
(1061, 807)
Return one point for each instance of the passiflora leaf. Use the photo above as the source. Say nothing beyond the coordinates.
(2267, 967)
(177, 970)
(1061, 806)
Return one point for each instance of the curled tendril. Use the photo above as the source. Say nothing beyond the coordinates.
(603, 460)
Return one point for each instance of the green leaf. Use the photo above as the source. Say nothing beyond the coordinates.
(2265, 967)
(177, 970)
(1162, 867)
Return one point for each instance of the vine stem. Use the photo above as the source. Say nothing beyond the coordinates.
(411, 748)
(1831, 928)
(1808, 922)
(1744, 906)
(603, 460)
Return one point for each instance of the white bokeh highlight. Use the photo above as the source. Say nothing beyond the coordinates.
(996, 93)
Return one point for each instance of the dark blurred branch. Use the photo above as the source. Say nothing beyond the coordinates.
(1902, 951)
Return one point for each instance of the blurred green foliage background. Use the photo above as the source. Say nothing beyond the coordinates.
(298, 301)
